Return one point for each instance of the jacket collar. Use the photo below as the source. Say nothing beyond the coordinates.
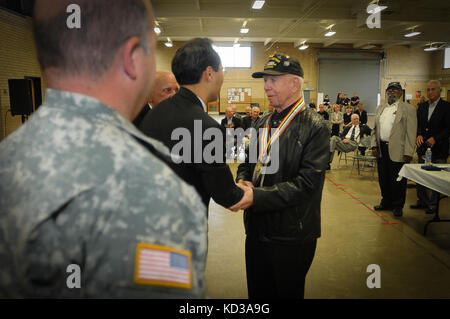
(188, 94)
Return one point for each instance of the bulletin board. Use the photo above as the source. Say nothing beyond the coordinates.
(239, 95)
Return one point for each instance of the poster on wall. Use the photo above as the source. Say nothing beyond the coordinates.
(239, 95)
(418, 94)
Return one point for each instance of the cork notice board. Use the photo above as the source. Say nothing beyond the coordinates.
(239, 95)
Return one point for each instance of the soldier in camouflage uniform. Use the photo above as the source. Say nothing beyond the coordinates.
(79, 187)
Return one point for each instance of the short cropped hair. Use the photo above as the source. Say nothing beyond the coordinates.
(192, 59)
(105, 26)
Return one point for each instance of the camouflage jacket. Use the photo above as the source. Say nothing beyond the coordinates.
(77, 187)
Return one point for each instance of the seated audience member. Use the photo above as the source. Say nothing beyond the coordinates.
(336, 119)
(345, 100)
(354, 101)
(349, 139)
(255, 116)
(247, 120)
(421, 100)
(312, 104)
(326, 100)
(323, 113)
(362, 114)
(230, 123)
(347, 116)
(236, 115)
(165, 86)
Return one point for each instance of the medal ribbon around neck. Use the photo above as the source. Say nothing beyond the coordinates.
(265, 142)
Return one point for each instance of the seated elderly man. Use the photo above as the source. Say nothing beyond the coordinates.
(349, 139)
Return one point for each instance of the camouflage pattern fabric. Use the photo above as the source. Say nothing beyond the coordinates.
(77, 187)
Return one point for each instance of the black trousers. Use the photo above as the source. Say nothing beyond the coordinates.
(275, 270)
(425, 195)
(393, 193)
(335, 129)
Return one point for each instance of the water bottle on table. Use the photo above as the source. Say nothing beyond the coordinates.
(428, 157)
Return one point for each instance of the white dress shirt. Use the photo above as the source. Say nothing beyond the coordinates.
(349, 134)
(203, 103)
(431, 107)
(387, 119)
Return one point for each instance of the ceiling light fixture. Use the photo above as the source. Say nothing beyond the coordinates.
(412, 32)
(303, 46)
(157, 30)
(330, 32)
(430, 48)
(169, 43)
(258, 4)
(245, 30)
(377, 9)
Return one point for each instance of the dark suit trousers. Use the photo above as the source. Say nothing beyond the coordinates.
(425, 195)
(275, 270)
(393, 193)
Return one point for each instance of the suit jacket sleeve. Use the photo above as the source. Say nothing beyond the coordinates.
(420, 127)
(444, 134)
(411, 129)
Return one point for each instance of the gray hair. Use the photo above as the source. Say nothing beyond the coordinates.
(438, 83)
(355, 115)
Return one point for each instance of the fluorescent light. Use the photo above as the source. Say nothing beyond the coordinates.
(412, 34)
(244, 30)
(258, 4)
(169, 43)
(157, 30)
(303, 47)
(430, 49)
(376, 9)
(330, 33)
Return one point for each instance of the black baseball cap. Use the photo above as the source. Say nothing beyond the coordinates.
(280, 64)
(394, 85)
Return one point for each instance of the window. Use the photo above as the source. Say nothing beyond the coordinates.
(446, 64)
(235, 57)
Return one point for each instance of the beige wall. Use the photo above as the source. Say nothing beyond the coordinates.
(17, 59)
(242, 77)
(413, 68)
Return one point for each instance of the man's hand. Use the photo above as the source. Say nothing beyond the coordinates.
(431, 141)
(246, 200)
(407, 158)
(376, 152)
(346, 141)
(419, 140)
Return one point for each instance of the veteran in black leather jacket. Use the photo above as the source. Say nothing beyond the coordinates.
(283, 223)
(287, 208)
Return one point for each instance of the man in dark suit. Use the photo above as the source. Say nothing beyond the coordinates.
(433, 131)
(165, 86)
(247, 119)
(230, 121)
(199, 72)
(362, 114)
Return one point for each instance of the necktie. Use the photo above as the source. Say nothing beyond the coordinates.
(352, 137)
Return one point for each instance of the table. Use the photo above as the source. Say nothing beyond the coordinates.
(438, 181)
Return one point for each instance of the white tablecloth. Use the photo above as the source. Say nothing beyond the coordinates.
(438, 181)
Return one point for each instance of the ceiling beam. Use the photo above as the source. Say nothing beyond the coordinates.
(330, 42)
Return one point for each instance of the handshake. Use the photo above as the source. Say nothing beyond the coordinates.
(246, 200)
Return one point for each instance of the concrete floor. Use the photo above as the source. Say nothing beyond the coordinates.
(353, 237)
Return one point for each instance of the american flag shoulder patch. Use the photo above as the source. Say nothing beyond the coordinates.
(162, 266)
